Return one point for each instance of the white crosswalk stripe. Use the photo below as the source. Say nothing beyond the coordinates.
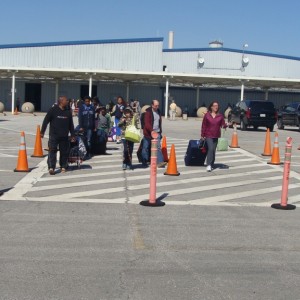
(240, 179)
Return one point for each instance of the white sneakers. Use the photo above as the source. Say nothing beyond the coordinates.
(208, 168)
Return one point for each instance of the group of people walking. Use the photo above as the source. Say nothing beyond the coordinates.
(150, 121)
(96, 119)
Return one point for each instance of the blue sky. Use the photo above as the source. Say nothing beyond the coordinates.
(266, 25)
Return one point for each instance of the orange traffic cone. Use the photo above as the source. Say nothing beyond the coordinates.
(22, 165)
(275, 159)
(164, 149)
(234, 139)
(172, 164)
(267, 149)
(38, 150)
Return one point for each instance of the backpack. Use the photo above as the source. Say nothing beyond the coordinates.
(118, 113)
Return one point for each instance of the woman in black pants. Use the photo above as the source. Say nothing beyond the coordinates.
(212, 123)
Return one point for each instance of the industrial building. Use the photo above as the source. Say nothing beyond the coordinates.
(142, 69)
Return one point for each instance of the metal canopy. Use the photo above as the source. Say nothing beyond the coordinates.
(180, 79)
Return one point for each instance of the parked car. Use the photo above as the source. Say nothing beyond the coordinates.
(256, 113)
(289, 115)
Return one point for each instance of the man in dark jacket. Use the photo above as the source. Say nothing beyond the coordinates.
(61, 124)
(86, 120)
(152, 122)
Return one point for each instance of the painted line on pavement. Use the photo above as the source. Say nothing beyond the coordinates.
(2, 155)
(139, 177)
(181, 191)
(188, 170)
(26, 183)
(239, 195)
(173, 192)
(201, 179)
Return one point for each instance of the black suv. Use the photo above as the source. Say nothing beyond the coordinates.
(256, 113)
(289, 115)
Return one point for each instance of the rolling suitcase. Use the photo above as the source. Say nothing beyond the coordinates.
(97, 144)
(194, 155)
(139, 152)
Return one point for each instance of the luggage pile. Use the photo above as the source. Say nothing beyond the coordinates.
(77, 151)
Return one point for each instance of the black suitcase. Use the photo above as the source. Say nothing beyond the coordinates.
(194, 155)
(98, 145)
(139, 152)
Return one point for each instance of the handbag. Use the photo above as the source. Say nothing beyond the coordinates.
(202, 145)
(222, 142)
(132, 133)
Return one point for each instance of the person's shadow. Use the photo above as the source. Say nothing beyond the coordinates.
(221, 166)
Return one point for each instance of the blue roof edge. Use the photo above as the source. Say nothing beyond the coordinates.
(232, 50)
(87, 42)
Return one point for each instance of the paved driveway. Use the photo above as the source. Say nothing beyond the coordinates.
(83, 234)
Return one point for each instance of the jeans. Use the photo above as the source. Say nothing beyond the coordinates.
(88, 133)
(64, 148)
(147, 145)
(211, 144)
(118, 129)
(127, 152)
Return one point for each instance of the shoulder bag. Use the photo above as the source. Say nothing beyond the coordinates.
(222, 141)
(132, 133)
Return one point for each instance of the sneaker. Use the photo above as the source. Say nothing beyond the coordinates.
(129, 167)
(51, 171)
(161, 165)
(124, 166)
(208, 168)
(63, 170)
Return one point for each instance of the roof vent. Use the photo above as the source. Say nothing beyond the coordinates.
(216, 44)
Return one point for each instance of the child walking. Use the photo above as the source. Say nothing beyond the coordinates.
(124, 122)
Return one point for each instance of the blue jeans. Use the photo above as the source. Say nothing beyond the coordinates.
(88, 133)
(118, 129)
(146, 147)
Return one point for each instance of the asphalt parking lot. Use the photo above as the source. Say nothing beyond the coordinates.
(83, 234)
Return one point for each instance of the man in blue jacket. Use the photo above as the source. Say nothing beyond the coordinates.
(86, 119)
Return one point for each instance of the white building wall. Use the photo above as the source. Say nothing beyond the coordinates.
(123, 56)
(221, 62)
(145, 56)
